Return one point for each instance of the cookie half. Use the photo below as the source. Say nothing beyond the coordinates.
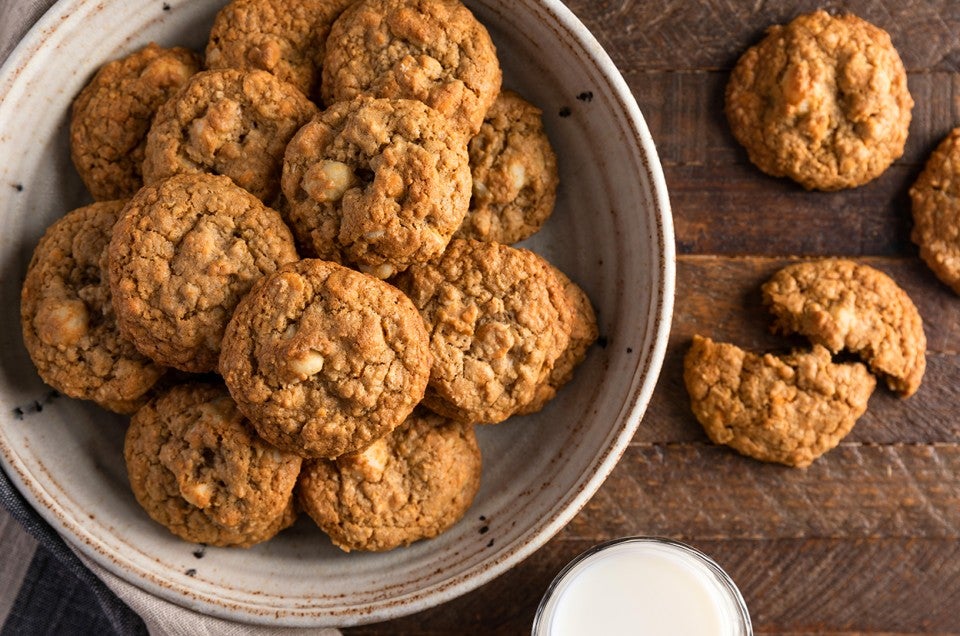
(822, 100)
(197, 467)
(411, 484)
(433, 51)
(183, 254)
(66, 313)
(379, 183)
(227, 122)
(841, 304)
(110, 117)
(936, 211)
(325, 360)
(786, 409)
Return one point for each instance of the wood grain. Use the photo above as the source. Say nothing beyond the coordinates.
(867, 539)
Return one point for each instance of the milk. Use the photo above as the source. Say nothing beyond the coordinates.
(643, 586)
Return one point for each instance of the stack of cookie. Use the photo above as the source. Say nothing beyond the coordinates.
(344, 266)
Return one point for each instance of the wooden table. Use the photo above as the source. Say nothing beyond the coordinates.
(868, 538)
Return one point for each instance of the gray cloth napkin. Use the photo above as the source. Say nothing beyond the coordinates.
(119, 601)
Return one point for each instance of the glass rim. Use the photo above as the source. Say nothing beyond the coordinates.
(727, 583)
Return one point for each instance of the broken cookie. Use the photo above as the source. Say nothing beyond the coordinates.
(786, 409)
(841, 304)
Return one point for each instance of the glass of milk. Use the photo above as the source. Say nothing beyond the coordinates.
(642, 585)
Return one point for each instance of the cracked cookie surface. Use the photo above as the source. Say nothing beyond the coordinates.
(822, 100)
(325, 360)
(228, 122)
(409, 485)
(841, 304)
(111, 116)
(197, 467)
(936, 211)
(583, 333)
(433, 51)
(379, 183)
(287, 39)
(182, 255)
(498, 320)
(514, 173)
(786, 409)
(69, 327)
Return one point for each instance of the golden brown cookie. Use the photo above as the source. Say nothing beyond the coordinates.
(498, 318)
(325, 360)
(230, 122)
(822, 100)
(936, 211)
(379, 183)
(844, 305)
(67, 317)
(112, 114)
(434, 51)
(182, 255)
(197, 467)
(412, 484)
(787, 409)
(514, 173)
(285, 38)
(583, 333)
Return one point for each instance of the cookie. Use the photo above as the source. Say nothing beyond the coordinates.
(583, 333)
(514, 173)
(409, 485)
(230, 122)
(197, 467)
(843, 305)
(67, 318)
(822, 100)
(182, 255)
(498, 319)
(787, 409)
(379, 183)
(325, 360)
(936, 211)
(434, 51)
(110, 117)
(287, 39)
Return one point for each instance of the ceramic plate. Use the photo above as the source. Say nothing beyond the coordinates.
(611, 232)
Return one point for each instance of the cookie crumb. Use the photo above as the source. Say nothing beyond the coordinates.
(191, 572)
(166, 7)
(18, 187)
(200, 552)
(490, 543)
(629, 349)
(18, 413)
(603, 342)
(484, 529)
(585, 96)
(565, 111)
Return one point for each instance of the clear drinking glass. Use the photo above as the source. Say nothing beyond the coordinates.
(642, 585)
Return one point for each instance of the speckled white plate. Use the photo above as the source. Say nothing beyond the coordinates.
(612, 232)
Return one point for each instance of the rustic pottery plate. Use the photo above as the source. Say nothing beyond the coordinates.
(611, 232)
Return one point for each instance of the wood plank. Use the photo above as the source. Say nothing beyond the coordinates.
(685, 112)
(732, 210)
(712, 34)
(721, 298)
(704, 491)
(807, 585)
